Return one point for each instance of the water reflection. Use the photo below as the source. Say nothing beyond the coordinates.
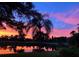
(25, 49)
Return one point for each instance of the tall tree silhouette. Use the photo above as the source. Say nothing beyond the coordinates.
(72, 33)
(74, 39)
(37, 23)
(7, 17)
(35, 19)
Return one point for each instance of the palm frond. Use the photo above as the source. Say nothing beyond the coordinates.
(48, 25)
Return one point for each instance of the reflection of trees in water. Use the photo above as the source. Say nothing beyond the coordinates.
(34, 49)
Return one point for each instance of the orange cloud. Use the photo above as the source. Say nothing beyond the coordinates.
(10, 31)
(54, 32)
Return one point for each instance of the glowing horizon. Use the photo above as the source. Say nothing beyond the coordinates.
(63, 15)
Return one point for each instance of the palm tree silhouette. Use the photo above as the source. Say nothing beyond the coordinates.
(37, 23)
(7, 17)
(36, 20)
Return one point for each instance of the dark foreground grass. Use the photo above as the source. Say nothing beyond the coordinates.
(32, 54)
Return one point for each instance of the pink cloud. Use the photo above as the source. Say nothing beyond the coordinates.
(59, 33)
(71, 17)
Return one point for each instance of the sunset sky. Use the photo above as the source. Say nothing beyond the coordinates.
(64, 16)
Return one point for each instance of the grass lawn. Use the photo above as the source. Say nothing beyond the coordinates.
(32, 54)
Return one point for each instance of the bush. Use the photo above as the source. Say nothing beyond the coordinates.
(69, 52)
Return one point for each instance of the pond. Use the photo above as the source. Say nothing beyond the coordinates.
(25, 49)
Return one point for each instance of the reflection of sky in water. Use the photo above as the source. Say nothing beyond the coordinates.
(26, 49)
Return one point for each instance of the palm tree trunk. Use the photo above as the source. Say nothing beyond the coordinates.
(21, 34)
